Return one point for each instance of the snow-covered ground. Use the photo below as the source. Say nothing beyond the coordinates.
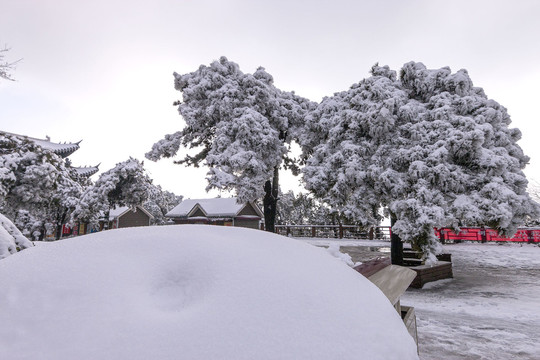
(490, 309)
(191, 292)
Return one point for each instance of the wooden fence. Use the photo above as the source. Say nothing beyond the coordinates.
(334, 231)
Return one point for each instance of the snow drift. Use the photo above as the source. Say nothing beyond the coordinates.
(192, 292)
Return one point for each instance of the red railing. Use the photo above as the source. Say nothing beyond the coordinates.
(531, 235)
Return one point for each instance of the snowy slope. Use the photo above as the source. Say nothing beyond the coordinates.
(192, 292)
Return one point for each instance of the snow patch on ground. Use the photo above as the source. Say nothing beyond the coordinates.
(343, 242)
(333, 249)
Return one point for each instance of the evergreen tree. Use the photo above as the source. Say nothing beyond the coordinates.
(38, 191)
(160, 202)
(430, 148)
(127, 184)
(241, 126)
(301, 209)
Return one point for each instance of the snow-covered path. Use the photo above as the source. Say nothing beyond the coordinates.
(490, 310)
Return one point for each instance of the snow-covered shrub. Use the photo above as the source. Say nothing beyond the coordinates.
(11, 239)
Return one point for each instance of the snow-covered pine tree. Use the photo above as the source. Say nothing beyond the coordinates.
(534, 191)
(160, 202)
(430, 148)
(37, 190)
(240, 124)
(300, 209)
(127, 184)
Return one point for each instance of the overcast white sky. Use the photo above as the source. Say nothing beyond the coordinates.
(101, 70)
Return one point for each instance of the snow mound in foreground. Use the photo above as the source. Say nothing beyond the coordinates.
(192, 292)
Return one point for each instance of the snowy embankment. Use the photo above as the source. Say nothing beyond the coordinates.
(192, 292)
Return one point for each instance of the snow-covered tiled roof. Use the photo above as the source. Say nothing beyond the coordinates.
(62, 150)
(86, 171)
(119, 211)
(211, 207)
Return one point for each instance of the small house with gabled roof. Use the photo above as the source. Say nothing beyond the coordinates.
(124, 216)
(217, 211)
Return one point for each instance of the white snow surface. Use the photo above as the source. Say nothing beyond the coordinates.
(192, 292)
(333, 249)
(490, 310)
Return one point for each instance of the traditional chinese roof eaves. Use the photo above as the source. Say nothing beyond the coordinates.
(63, 150)
(86, 171)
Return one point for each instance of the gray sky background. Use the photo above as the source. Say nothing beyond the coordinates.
(101, 70)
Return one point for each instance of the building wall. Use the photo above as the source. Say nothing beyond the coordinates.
(248, 210)
(247, 223)
(131, 219)
(198, 212)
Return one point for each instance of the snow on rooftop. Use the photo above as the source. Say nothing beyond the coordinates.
(120, 210)
(212, 207)
(56, 147)
(86, 170)
(48, 144)
(192, 292)
(114, 213)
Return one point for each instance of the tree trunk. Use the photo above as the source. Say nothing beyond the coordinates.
(106, 220)
(270, 202)
(60, 224)
(396, 246)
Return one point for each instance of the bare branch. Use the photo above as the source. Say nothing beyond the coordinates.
(5, 66)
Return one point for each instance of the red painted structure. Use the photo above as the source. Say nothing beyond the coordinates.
(531, 235)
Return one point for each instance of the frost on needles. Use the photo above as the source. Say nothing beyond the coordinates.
(239, 125)
(429, 147)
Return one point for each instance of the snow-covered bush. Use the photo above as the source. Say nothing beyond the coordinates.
(11, 239)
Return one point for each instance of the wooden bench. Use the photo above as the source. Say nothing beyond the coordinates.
(393, 281)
